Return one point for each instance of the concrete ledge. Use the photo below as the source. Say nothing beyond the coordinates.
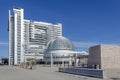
(85, 72)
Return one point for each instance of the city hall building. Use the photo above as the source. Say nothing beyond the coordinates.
(61, 51)
(28, 38)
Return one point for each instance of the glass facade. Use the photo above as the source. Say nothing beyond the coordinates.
(60, 50)
(61, 43)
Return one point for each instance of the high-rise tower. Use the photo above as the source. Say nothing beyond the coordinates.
(27, 38)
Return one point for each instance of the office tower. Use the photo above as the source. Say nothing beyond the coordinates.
(27, 38)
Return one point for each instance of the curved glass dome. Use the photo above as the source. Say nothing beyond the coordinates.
(61, 43)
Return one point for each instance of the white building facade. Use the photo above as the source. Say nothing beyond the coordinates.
(27, 38)
(61, 51)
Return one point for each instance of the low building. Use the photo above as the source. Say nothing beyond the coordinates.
(82, 59)
(104, 56)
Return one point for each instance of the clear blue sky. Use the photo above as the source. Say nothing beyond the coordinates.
(85, 22)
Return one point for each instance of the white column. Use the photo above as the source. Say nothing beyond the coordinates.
(70, 61)
(62, 63)
(75, 59)
(51, 57)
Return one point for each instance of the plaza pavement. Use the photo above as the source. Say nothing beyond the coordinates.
(41, 73)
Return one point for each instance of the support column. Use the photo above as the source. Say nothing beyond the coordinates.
(62, 63)
(51, 56)
(75, 59)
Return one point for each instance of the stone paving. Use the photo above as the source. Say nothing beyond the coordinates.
(41, 73)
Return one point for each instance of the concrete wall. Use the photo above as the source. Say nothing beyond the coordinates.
(107, 56)
(94, 56)
(110, 57)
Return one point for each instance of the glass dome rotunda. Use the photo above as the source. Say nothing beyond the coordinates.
(61, 43)
(61, 49)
